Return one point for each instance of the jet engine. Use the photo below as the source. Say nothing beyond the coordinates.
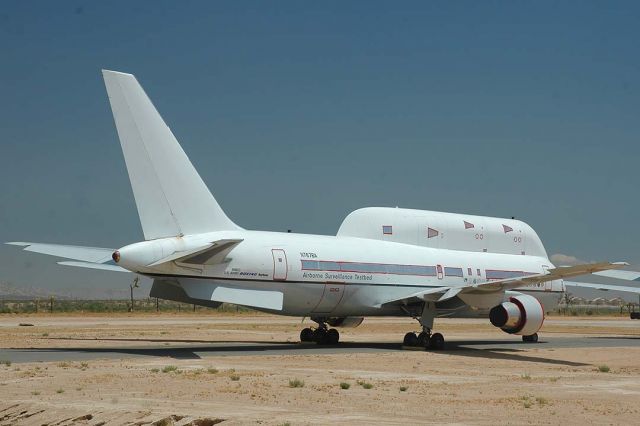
(346, 322)
(522, 314)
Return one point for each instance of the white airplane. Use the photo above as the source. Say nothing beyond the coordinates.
(382, 262)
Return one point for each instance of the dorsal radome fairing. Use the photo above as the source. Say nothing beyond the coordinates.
(451, 231)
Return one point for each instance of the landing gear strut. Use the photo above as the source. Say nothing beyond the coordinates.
(425, 339)
(321, 335)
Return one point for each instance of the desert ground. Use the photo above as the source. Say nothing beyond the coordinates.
(368, 379)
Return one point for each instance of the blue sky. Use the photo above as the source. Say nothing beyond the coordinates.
(296, 113)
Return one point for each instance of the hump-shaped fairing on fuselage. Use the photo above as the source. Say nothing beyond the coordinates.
(443, 230)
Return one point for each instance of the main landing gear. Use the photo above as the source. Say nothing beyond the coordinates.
(321, 335)
(533, 338)
(425, 339)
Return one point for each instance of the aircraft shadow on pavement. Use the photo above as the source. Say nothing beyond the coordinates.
(503, 351)
(508, 354)
(627, 337)
(224, 348)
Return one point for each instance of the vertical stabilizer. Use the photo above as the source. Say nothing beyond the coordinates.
(170, 196)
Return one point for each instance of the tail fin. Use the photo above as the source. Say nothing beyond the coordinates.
(170, 196)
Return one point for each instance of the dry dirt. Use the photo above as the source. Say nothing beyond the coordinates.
(527, 384)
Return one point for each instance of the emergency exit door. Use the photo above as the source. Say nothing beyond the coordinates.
(279, 264)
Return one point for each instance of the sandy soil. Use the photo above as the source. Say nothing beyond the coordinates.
(523, 385)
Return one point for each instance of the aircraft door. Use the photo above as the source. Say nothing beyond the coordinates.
(332, 295)
(279, 264)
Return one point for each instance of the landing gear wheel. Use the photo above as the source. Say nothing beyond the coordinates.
(306, 335)
(436, 341)
(423, 339)
(410, 339)
(320, 336)
(533, 338)
(332, 337)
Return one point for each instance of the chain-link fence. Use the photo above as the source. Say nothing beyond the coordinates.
(52, 305)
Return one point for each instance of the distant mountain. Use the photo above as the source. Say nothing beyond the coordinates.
(8, 291)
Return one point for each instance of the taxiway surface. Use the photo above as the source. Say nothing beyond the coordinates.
(204, 368)
(107, 348)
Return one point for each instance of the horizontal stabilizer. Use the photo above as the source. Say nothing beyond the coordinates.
(208, 254)
(85, 254)
(266, 299)
(255, 298)
(603, 287)
(170, 289)
(102, 266)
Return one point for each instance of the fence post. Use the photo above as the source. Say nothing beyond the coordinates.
(51, 305)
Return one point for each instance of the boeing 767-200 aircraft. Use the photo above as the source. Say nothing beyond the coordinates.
(382, 262)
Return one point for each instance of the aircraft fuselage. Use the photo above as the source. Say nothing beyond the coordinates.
(336, 276)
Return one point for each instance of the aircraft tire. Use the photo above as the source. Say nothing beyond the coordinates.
(423, 340)
(533, 338)
(332, 337)
(410, 339)
(436, 341)
(320, 336)
(306, 335)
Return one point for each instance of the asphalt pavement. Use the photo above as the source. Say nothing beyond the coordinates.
(196, 349)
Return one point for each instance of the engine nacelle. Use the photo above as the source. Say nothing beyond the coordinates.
(345, 322)
(522, 314)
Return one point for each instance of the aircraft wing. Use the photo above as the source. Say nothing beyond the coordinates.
(432, 294)
(603, 287)
(82, 257)
(444, 293)
(559, 273)
(621, 275)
